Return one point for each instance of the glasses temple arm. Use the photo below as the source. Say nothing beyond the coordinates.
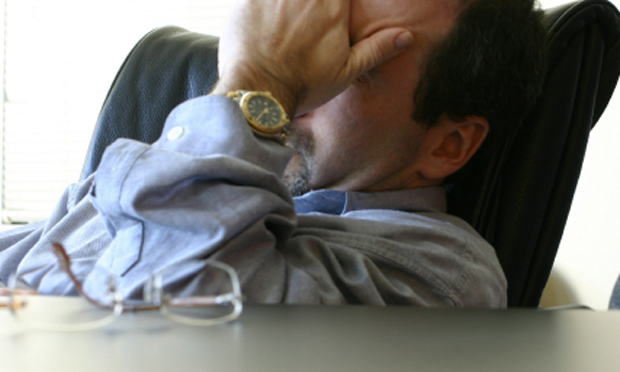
(65, 265)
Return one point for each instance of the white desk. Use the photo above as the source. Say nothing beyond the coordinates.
(353, 338)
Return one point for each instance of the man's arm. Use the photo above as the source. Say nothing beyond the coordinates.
(243, 49)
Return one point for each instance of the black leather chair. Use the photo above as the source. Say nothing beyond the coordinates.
(519, 201)
(614, 302)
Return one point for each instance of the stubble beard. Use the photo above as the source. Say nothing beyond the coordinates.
(297, 178)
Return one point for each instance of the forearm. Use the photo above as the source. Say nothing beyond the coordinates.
(192, 195)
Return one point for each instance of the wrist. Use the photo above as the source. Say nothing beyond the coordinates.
(286, 96)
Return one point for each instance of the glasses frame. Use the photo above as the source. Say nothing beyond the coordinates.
(153, 295)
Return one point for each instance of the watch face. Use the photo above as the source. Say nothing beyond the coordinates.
(265, 112)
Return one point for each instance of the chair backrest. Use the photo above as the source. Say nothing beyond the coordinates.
(519, 200)
(167, 67)
(614, 301)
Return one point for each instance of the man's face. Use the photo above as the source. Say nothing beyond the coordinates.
(365, 138)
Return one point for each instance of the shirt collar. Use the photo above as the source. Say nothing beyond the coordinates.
(422, 199)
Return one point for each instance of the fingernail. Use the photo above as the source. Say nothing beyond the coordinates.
(404, 40)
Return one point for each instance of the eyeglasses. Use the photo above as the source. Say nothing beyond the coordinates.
(210, 296)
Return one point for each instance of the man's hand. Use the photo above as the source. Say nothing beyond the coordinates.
(299, 50)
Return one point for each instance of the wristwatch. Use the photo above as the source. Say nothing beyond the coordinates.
(264, 113)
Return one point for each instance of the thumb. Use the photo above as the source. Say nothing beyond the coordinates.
(376, 49)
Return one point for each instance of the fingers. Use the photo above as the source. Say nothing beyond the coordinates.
(376, 49)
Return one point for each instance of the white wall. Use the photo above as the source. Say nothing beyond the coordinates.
(588, 261)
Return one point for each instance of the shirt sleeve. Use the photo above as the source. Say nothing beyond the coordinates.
(207, 185)
(74, 222)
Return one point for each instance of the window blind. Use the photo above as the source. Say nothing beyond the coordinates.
(60, 57)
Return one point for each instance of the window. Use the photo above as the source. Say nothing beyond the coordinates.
(60, 57)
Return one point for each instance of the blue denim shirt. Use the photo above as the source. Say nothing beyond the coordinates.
(209, 188)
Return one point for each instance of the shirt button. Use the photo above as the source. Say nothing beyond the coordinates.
(175, 133)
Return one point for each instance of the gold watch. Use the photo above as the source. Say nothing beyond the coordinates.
(264, 113)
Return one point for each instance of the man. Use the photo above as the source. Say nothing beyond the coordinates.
(372, 136)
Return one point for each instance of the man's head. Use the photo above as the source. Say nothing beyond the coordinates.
(493, 65)
(375, 136)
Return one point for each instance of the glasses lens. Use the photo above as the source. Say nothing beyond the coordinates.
(72, 314)
(198, 293)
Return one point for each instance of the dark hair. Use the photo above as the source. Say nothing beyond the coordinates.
(492, 64)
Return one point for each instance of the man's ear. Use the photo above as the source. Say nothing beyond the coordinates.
(451, 143)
